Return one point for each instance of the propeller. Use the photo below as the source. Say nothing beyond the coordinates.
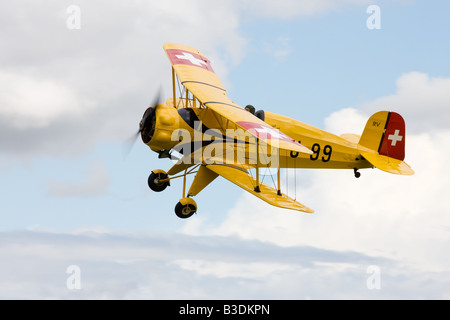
(146, 125)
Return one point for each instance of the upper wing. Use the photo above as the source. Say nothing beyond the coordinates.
(196, 74)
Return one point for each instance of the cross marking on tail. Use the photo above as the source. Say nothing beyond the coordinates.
(395, 137)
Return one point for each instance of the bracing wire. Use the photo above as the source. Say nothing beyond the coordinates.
(181, 89)
(295, 180)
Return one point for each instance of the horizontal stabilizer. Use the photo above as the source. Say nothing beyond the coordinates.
(241, 178)
(388, 164)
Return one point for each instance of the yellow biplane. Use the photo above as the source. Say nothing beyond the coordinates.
(212, 136)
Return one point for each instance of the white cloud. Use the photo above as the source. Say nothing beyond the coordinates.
(63, 86)
(35, 102)
(422, 99)
(173, 266)
(347, 120)
(220, 269)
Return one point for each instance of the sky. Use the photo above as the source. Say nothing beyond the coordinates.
(78, 220)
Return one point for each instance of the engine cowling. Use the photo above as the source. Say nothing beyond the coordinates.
(157, 125)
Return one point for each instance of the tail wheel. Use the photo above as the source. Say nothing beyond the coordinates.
(156, 180)
(185, 208)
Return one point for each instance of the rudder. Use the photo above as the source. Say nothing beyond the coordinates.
(384, 133)
(383, 143)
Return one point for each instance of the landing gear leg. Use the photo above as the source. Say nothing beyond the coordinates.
(186, 207)
(357, 174)
(159, 180)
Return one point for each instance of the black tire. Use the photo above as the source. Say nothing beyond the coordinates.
(185, 211)
(154, 181)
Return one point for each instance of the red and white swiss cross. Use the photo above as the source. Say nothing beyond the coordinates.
(177, 56)
(264, 132)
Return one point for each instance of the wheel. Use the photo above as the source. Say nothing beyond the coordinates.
(154, 180)
(184, 211)
(185, 208)
(357, 174)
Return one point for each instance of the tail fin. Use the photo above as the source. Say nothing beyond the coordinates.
(384, 136)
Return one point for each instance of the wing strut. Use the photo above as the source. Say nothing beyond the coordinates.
(279, 181)
(257, 170)
(173, 88)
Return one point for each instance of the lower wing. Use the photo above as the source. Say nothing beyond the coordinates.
(240, 177)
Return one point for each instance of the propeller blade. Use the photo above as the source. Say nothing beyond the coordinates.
(150, 110)
(129, 144)
(148, 115)
(157, 99)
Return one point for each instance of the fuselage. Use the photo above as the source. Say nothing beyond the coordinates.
(202, 135)
(330, 151)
